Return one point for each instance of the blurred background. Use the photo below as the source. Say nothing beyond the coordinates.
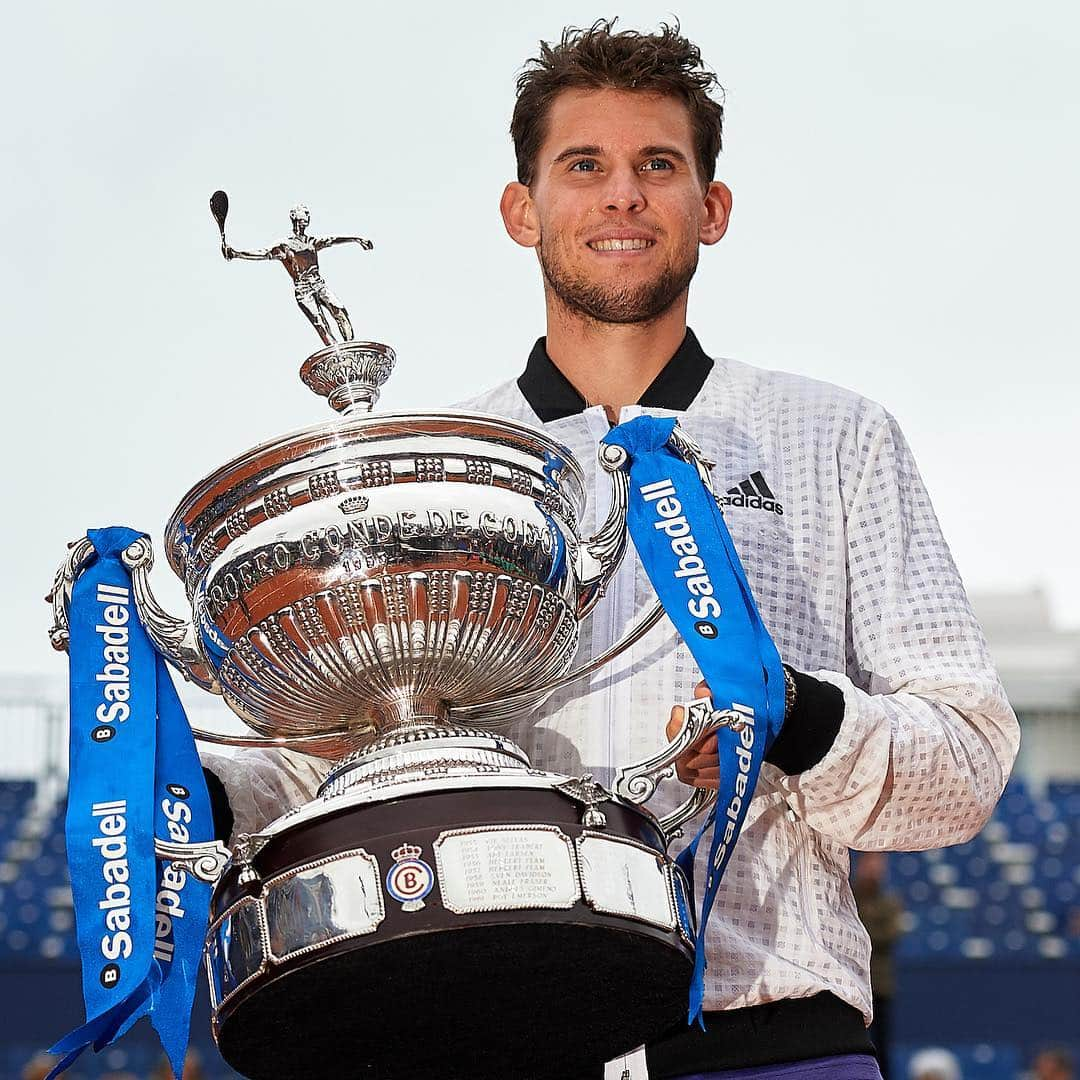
(905, 224)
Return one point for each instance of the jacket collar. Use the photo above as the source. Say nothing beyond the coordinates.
(552, 396)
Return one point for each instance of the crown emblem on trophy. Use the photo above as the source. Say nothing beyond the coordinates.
(354, 504)
(410, 879)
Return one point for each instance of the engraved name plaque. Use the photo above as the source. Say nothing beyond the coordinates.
(323, 902)
(621, 878)
(506, 867)
(235, 949)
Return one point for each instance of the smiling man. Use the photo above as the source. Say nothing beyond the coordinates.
(616, 223)
(897, 734)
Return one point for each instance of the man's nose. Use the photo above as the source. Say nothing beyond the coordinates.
(624, 193)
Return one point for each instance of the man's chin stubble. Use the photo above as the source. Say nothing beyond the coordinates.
(606, 304)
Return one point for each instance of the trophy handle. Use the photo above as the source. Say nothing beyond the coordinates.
(204, 860)
(599, 556)
(172, 637)
(671, 824)
(603, 553)
(79, 554)
(207, 859)
(638, 782)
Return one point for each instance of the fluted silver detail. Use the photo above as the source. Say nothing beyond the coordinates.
(349, 374)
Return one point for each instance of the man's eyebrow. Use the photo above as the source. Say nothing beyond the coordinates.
(576, 151)
(663, 151)
(596, 151)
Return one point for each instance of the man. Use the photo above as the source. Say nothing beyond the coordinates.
(898, 734)
(299, 254)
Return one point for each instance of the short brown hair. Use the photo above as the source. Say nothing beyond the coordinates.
(665, 63)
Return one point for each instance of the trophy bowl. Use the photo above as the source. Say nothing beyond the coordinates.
(358, 576)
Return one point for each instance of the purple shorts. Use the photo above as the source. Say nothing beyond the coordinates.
(845, 1067)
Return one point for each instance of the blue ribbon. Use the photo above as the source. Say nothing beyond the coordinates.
(684, 545)
(134, 774)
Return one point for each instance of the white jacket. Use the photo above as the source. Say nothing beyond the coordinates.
(857, 587)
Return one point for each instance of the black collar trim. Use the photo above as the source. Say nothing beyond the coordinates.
(552, 396)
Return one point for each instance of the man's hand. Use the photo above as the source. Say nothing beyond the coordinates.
(227, 251)
(367, 245)
(698, 764)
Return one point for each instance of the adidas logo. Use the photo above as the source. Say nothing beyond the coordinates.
(753, 493)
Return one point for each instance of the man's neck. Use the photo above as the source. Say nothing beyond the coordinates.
(612, 364)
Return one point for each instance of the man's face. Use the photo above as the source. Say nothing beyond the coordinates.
(617, 207)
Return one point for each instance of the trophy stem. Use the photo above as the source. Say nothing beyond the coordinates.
(420, 750)
(349, 374)
(412, 709)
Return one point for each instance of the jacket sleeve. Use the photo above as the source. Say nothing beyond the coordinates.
(927, 737)
(260, 785)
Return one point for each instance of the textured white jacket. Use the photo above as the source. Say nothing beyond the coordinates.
(857, 587)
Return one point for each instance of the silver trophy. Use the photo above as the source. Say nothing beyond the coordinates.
(390, 591)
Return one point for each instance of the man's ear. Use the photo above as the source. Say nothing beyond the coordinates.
(519, 215)
(717, 212)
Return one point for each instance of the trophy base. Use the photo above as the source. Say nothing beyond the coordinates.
(530, 930)
(530, 1000)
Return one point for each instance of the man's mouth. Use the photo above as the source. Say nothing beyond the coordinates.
(634, 244)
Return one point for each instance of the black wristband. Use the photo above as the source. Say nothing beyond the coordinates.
(810, 731)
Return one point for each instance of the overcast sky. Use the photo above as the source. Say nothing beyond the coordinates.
(905, 223)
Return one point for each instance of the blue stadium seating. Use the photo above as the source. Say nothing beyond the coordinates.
(1013, 890)
(1011, 893)
(138, 1058)
(983, 1061)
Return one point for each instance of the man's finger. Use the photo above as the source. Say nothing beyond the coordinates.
(706, 746)
(699, 762)
(704, 779)
(675, 722)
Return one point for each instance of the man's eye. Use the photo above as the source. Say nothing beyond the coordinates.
(585, 165)
(657, 165)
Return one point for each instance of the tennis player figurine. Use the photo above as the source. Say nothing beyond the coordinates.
(299, 254)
